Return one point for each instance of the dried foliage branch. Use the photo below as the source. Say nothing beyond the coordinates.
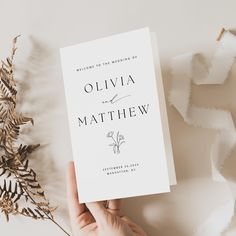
(20, 191)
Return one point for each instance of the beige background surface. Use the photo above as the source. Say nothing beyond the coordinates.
(181, 26)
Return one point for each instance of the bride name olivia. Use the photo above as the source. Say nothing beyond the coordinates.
(118, 114)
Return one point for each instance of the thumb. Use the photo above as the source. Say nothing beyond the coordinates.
(98, 211)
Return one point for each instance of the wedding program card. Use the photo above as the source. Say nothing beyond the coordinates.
(114, 117)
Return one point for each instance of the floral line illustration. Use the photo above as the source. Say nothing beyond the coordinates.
(118, 139)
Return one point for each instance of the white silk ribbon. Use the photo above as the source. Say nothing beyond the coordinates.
(190, 68)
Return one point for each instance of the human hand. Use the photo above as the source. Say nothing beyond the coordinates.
(97, 218)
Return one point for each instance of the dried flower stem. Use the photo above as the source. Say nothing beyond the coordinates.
(20, 181)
